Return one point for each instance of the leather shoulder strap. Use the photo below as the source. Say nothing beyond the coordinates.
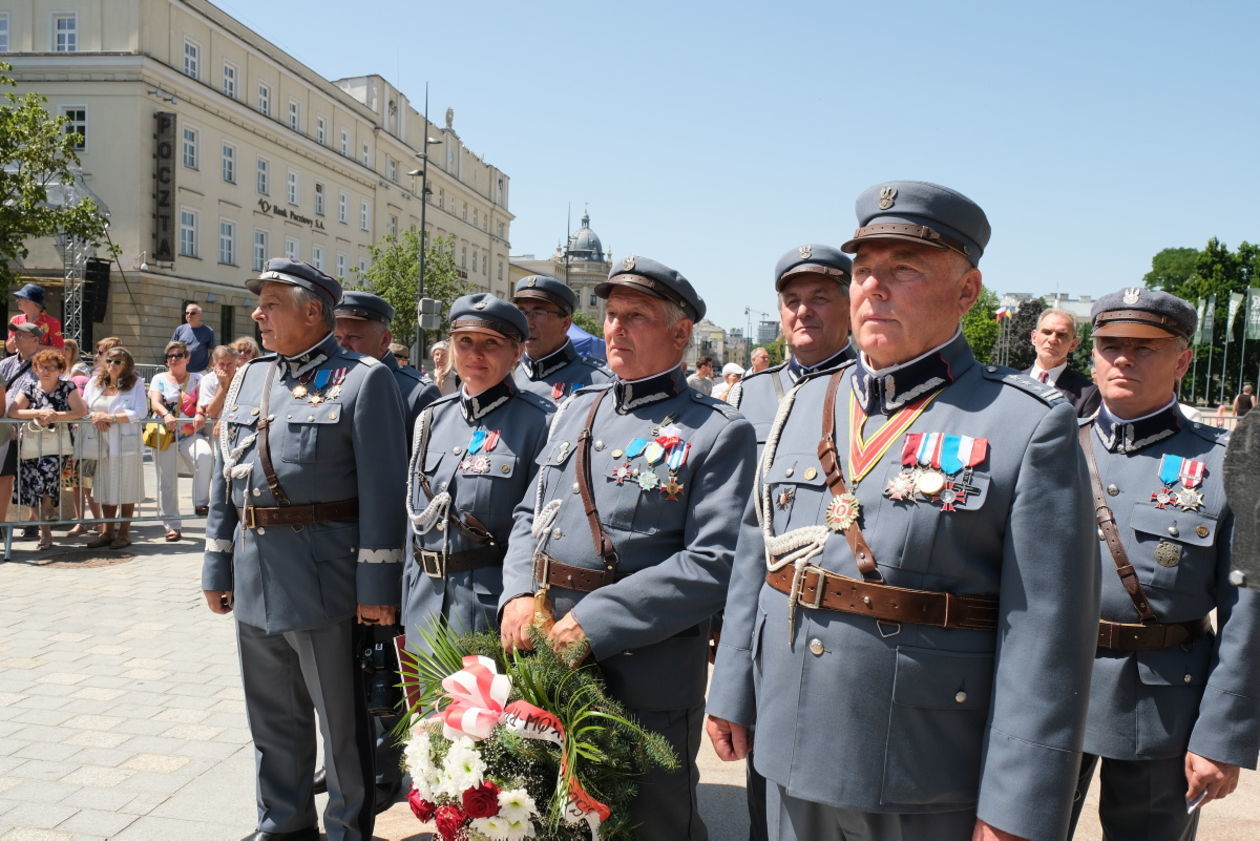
(830, 461)
(264, 434)
(1107, 523)
(599, 538)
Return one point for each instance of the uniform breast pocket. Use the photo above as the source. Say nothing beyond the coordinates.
(1182, 544)
(493, 485)
(551, 462)
(305, 425)
(432, 470)
(658, 503)
(797, 488)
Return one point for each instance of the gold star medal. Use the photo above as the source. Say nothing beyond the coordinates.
(299, 391)
(672, 489)
(842, 511)
(901, 487)
(1189, 499)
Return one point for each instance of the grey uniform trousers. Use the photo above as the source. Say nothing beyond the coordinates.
(666, 809)
(1139, 799)
(794, 819)
(287, 678)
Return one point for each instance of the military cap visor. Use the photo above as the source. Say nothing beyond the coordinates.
(472, 324)
(841, 277)
(647, 286)
(909, 232)
(540, 295)
(359, 314)
(1137, 324)
(920, 212)
(296, 273)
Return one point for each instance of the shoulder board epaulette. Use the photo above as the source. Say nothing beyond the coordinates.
(1047, 394)
(369, 361)
(1214, 434)
(722, 406)
(594, 362)
(541, 403)
(410, 373)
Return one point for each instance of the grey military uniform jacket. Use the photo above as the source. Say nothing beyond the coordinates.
(648, 631)
(880, 717)
(757, 396)
(481, 459)
(560, 373)
(348, 444)
(1202, 695)
(417, 391)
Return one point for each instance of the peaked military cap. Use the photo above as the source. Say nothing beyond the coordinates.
(813, 259)
(482, 312)
(656, 279)
(1143, 314)
(32, 292)
(921, 212)
(546, 288)
(364, 306)
(297, 273)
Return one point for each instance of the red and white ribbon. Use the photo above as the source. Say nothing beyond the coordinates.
(478, 694)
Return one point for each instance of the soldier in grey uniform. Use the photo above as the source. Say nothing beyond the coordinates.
(474, 457)
(664, 471)
(304, 544)
(1174, 708)
(910, 620)
(362, 325)
(552, 367)
(363, 321)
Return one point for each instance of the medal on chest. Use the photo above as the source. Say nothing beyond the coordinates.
(937, 467)
(636, 463)
(315, 387)
(1189, 473)
(481, 442)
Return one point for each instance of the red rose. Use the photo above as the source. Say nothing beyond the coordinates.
(420, 807)
(449, 821)
(482, 801)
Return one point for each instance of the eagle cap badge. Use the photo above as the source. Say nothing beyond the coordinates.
(887, 197)
(806, 252)
(1131, 295)
(628, 264)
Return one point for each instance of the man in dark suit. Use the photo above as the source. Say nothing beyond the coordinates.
(1053, 339)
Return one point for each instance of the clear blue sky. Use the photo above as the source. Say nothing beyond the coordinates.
(716, 136)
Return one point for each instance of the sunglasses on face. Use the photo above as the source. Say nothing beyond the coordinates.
(117, 361)
(175, 355)
(47, 369)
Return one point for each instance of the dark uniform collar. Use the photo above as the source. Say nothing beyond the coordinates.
(476, 408)
(631, 394)
(1129, 436)
(311, 358)
(536, 369)
(796, 370)
(388, 360)
(885, 391)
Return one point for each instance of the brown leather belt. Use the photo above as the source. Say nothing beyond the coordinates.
(253, 517)
(548, 572)
(440, 565)
(1120, 636)
(821, 588)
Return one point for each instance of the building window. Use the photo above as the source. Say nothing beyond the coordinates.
(367, 155)
(192, 59)
(364, 216)
(295, 116)
(391, 169)
(441, 196)
(341, 266)
(343, 204)
(317, 256)
(65, 32)
(465, 217)
(476, 219)
(260, 250)
(264, 177)
(227, 321)
(4, 32)
(500, 230)
(500, 270)
(227, 242)
(76, 123)
(229, 80)
(393, 226)
(264, 99)
(319, 199)
(363, 267)
(291, 248)
(463, 257)
(321, 131)
(345, 143)
(190, 148)
(594, 299)
(187, 232)
(291, 187)
(229, 163)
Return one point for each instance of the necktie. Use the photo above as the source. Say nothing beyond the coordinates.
(1045, 376)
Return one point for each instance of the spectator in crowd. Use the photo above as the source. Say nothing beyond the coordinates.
(246, 349)
(760, 360)
(115, 398)
(443, 368)
(15, 372)
(199, 338)
(214, 387)
(731, 374)
(1244, 402)
(78, 372)
(401, 354)
(47, 400)
(173, 396)
(702, 379)
(30, 300)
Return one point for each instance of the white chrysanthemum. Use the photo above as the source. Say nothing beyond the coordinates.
(518, 829)
(494, 828)
(463, 767)
(418, 755)
(516, 806)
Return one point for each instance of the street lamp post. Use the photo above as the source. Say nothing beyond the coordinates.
(423, 172)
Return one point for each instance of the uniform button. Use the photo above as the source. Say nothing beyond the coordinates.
(290, 417)
(788, 472)
(333, 416)
(442, 486)
(262, 531)
(1202, 531)
(960, 697)
(1174, 531)
(617, 454)
(1238, 578)
(556, 534)
(599, 446)
(234, 408)
(816, 646)
(810, 473)
(251, 411)
(1113, 490)
(991, 369)
(576, 488)
(505, 469)
(1187, 678)
(310, 418)
(456, 450)
(257, 492)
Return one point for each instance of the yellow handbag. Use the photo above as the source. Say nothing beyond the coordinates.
(157, 436)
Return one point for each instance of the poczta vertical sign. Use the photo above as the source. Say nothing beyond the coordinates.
(164, 188)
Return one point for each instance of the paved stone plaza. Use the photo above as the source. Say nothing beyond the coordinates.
(121, 714)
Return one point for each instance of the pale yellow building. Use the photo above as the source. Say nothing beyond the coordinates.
(215, 150)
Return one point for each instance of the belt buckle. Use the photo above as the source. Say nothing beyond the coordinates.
(250, 518)
(433, 563)
(818, 591)
(542, 561)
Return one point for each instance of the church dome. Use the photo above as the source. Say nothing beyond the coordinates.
(584, 244)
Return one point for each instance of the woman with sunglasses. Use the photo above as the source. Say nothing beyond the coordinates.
(246, 349)
(47, 400)
(173, 396)
(116, 399)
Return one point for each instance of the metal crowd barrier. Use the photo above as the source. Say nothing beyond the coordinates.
(73, 469)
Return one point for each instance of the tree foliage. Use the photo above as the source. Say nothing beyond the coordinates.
(978, 326)
(36, 153)
(589, 324)
(1014, 343)
(394, 274)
